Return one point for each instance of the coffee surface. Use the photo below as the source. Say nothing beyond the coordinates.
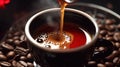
(72, 37)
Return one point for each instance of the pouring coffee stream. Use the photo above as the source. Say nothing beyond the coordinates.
(63, 4)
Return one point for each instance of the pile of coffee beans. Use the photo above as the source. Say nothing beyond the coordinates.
(107, 48)
(14, 51)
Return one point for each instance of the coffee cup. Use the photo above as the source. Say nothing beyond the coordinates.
(48, 21)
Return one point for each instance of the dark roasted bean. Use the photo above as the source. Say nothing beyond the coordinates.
(1, 52)
(109, 64)
(116, 36)
(101, 65)
(103, 32)
(17, 34)
(23, 63)
(23, 58)
(101, 26)
(110, 21)
(29, 56)
(114, 54)
(18, 64)
(17, 42)
(9, 40)
(102, 48)
(5, 64)
(21, 50)
(14, 63)
(22, 38)
(11, 54)
(7, 46)
(109, 38)
(16, 38)
(117, 44)
(30, 64)
(116, 61)
(3, 57)
(110, 27)
(110, 33)
(91, 63)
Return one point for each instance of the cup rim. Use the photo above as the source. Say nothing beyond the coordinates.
(29, 37)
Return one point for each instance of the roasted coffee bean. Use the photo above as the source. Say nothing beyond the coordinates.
(30, 64)
(91, 63)
(110, 21)
(2, 57)
(101, 26)
(113, 54)
(23, 58)
(17, 42)
(109, 64)
(116, 60)
(103, 32)
(109, 38)
(15, 38)
(116, 36)
(18, 64)
(110, 33)
(117, 44)
(14, 63)
(7, 46)
(5, 64)
(17, 34)
(1, 52)
(9, 41)
(110, 27)
(101, 65)
(11, 54)
(29, 56)
(22, 38)
(98, 21)
(21, 50)
(23, 63)
(102, 49)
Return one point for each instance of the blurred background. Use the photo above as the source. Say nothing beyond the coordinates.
(13, 10)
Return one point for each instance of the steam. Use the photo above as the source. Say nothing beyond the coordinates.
(52, 23)
(45, 4)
